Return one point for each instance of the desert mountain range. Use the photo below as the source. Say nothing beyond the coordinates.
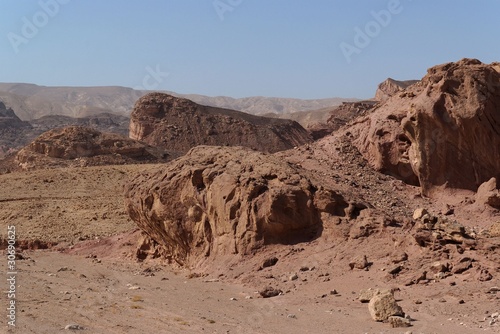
(32, 101)
(384, 214)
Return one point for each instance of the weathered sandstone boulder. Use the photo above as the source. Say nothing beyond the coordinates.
(384, 305)
(488, 193)
(180, 124)
(217, 201)
(441, 131)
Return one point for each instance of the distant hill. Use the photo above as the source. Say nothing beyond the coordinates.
(179, 124)
(32, 101)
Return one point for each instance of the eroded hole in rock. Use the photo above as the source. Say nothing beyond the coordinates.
(354, 210)
(197, 179)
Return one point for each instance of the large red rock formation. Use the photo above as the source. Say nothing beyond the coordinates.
(217, 201)
(179, 124)
(441, 131)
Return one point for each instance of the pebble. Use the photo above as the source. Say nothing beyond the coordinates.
(292, 316)
(232, 298)
(293, 277)
(494, 289)
(73, 327)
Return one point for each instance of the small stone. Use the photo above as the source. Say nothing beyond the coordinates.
(439, 267)
(248, 297)
(233, 299)
(304, 268)
(398, 322)
(133, 287)
(495, 315)
(62, 269)
(293, 277)
(73, 327)
(419, 213)
(360, 262)
(395, 270)
(269, 262)
(292, 316)
(418, 278)
(399, 256)
(484, 275)
(494, 289)
(269, 292)
(334, 292)
(418, 302)
(442, 300)
(461, 301)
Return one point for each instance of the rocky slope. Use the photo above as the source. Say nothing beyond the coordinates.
(180, 124)
(80, 146)
(440, 132)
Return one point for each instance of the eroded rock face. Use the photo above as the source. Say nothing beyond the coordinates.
(391, 87)
(218, 201)
(179, 124)
(441, 131)
(56, 146)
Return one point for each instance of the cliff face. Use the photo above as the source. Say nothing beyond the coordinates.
(180, 124)
(442, 131)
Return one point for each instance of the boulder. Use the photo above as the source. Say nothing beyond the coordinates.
(217, 201)
(383, 306)
(180, 124)
(442, 131)
(488, 194)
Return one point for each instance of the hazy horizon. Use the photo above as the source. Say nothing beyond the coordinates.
(239, 48)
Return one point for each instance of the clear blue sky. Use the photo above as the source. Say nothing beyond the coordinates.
(285, 48)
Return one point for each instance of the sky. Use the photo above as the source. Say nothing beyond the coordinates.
(282, 48)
